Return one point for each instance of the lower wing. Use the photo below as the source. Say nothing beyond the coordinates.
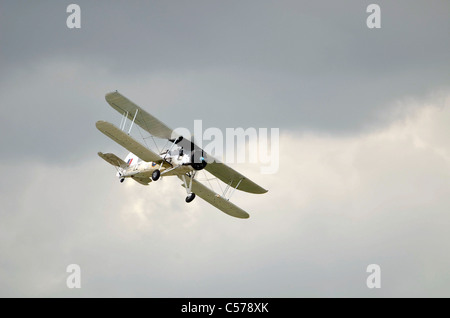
(216, 200)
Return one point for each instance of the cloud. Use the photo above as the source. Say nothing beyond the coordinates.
(292, 63)
(364, 149)
(337, 205)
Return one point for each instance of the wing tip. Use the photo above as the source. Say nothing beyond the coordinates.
(112, 93)
(260, 190)
(111, 96)
(100, 123)
(257, 188)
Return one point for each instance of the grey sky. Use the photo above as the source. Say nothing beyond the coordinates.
(318, 65)
(371, 172)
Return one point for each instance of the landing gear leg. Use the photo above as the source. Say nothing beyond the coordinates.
(190, 195)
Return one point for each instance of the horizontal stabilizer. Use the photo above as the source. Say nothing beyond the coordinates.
(141, 179)
(113, 159)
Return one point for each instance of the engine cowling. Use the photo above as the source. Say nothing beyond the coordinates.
(198, 159)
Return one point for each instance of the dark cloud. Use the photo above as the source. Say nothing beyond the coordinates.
(313, 66)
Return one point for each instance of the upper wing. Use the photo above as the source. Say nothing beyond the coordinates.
(216, 200)
(234, 178)
(127, 142)
(149, 123)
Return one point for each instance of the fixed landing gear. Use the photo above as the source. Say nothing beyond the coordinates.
(156, 174)
(188, 186)
(190, 197)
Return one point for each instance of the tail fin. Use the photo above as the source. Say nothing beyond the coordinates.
(131, 159)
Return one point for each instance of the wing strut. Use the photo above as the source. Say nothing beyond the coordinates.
(131, 126)
(234, 189)
(170, 149)
(123, 121)
(224, 193)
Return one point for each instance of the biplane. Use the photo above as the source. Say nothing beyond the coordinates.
(182, 158)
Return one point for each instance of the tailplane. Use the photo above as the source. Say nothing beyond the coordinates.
(113, 159)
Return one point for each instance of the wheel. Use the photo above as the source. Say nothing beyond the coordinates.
(122, 179)
(190, 197)
(156, 174)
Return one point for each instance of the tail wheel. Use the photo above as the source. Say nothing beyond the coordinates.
(156, 174)
(190, 197)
